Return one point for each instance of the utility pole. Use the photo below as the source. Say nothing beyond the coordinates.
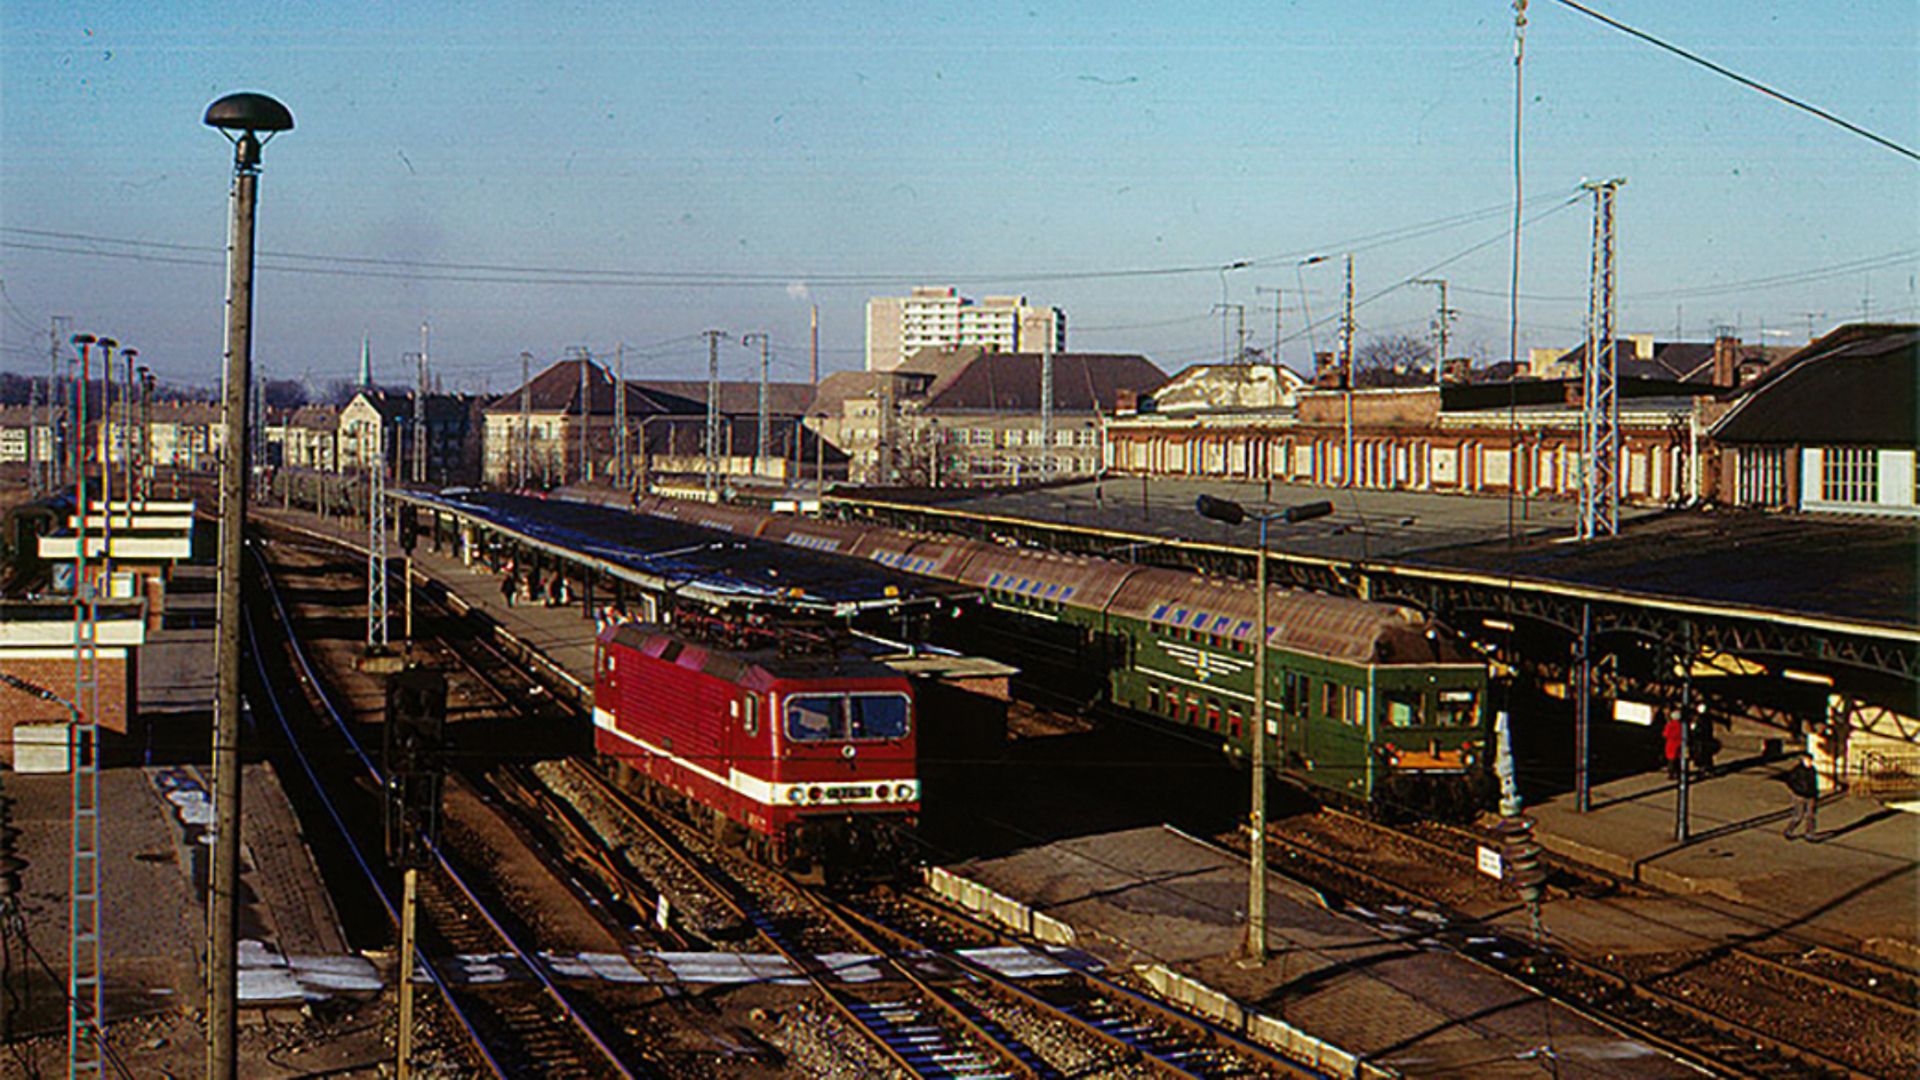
(1346, 376)
(623, 472)
(1262, 290)
(420, 414)
(526, 414)
(377, 541)
(585, 360)
(762, 432)
(1046, 410)
(1600, 404)
(713, 412)
(58, 327)
(813, 327)
(242, 117)
(1442, 323)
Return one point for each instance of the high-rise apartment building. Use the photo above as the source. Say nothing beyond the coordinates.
(937, 316)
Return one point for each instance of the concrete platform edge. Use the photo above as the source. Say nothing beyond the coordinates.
(1170, 986)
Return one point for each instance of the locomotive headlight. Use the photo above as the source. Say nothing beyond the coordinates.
(794, 795)
(903, 792)
(813, 794)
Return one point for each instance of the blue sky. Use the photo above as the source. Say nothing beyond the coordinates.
(827, 154)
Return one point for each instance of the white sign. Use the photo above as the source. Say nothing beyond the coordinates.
(1633, 712)
(660, 912)
(1490, 862)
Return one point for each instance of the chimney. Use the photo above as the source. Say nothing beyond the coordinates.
(1726, 359)
(1326, 372)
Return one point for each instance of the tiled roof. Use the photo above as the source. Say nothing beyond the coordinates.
(783, 398)
(969, 379)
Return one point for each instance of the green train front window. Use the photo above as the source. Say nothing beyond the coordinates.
(1456, 708)
(1404, 708)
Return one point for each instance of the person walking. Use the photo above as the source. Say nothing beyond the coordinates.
(1805, 788)
(508, 586)
(1672, 733)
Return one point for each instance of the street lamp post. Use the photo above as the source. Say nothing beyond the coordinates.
(1254, 949)
(244, 118)
(125, 442)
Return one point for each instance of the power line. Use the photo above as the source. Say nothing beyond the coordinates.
(1751, 84)
(179, 254)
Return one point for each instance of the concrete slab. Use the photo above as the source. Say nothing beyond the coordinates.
(1154, 895)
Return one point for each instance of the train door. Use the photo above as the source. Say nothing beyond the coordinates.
(1296, 699)
(1338, 744)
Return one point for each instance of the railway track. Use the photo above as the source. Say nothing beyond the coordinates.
(526, 1024)
(1126, 1029)
(1705, 1007)
(916, 1029)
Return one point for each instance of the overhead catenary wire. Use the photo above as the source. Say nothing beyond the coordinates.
(1749, 83)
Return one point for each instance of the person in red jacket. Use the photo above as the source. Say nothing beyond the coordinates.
(1673, 733)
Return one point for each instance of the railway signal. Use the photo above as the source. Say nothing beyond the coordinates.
(413, 739)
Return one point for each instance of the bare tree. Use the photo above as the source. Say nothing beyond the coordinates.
(1393, 360)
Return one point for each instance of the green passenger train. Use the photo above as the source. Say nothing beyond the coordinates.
(1368, 703)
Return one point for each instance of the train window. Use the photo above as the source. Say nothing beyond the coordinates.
(1456, 709)
(1403, 708)
(750, 715)
(1213, 716)
(1233, 724)
(877, 716)
(1153, 699)
(814, 717)
(1332, 701)
(1193, 711)
(1357, 715)
(1295, 692)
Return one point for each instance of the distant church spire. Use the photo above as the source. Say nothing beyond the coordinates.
(366, 363)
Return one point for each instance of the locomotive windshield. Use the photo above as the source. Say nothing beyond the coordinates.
(1451, 708)
(840, 717)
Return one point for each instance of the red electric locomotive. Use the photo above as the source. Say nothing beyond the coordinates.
(807, 759)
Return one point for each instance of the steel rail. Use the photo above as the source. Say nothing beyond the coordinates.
(1210, 1035)
(804, 963)
(530, 959)
(1634, 988)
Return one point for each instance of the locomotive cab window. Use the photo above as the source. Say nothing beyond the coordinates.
(840, 717)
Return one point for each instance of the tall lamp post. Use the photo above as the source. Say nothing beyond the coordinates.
(244, 118)
(1232, 513)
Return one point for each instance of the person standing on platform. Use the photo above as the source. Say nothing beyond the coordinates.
(1805, 787)
(508, 585)
(1671, 735)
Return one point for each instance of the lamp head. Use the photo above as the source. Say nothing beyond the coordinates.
(250, 113)
(1306, 512)
(1222, 510)
(129, 353)
(108, 343)
(83, 339)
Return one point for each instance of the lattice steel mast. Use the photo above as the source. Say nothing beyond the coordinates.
(1600, 400)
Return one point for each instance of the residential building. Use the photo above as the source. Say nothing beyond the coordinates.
(936, 317)
(973, 415)
(1832, 430)
(379, 425)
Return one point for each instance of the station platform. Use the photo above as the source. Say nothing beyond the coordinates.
(564, 635)
(1857, 885)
